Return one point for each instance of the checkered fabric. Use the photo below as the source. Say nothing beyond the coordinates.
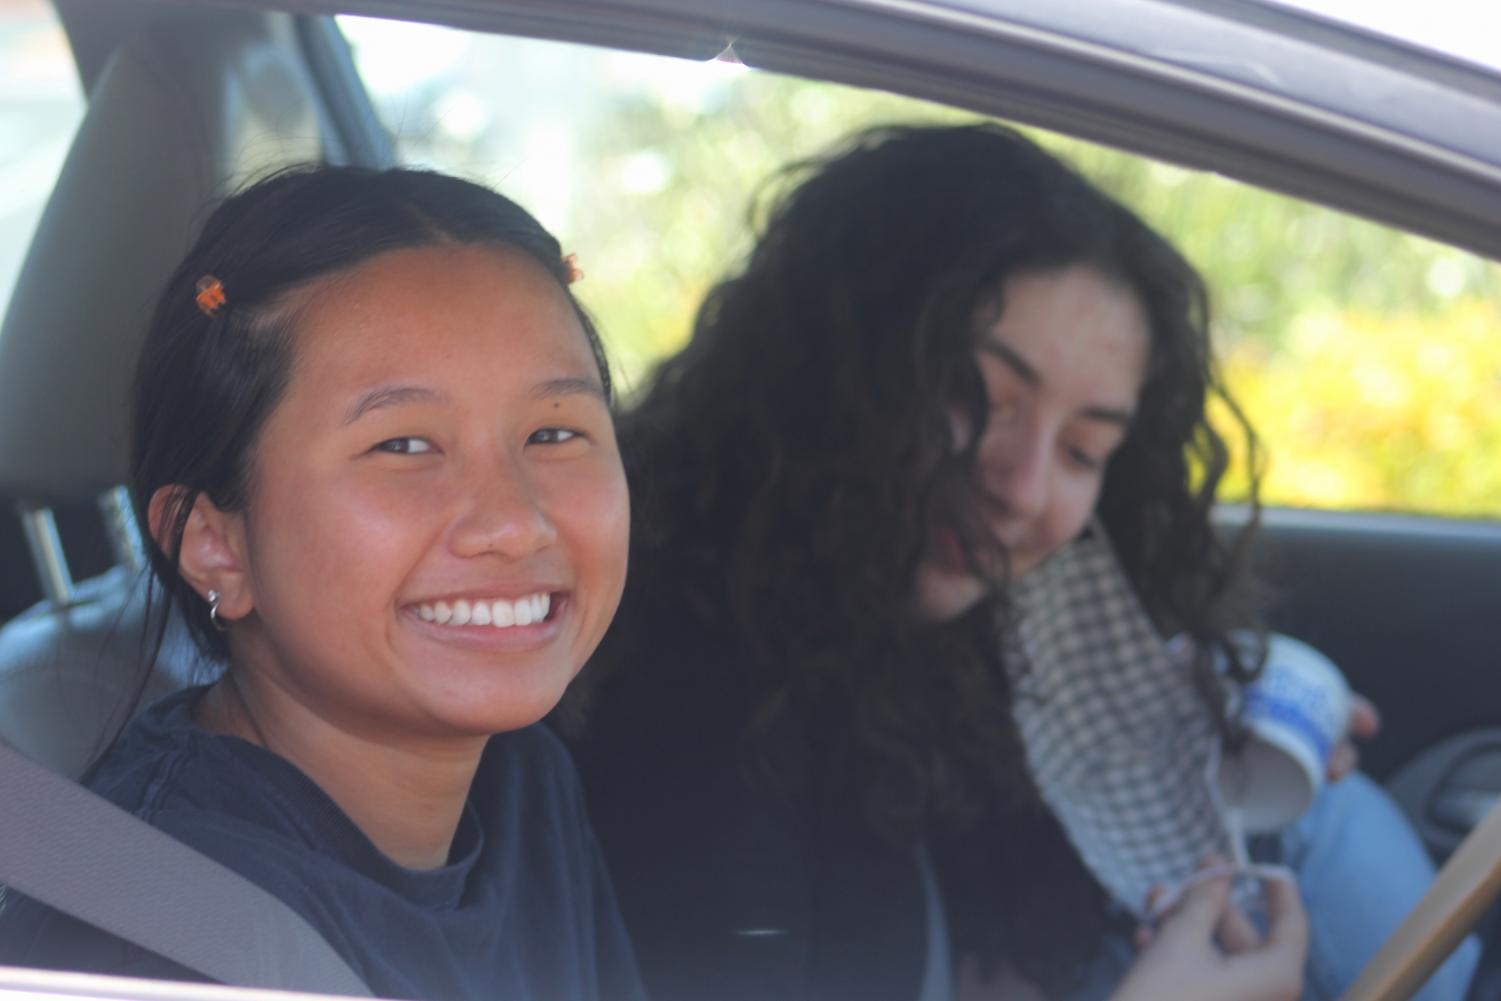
(1118, 739)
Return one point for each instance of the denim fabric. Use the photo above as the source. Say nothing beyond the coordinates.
(1362, 868)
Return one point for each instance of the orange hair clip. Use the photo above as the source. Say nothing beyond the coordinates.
(210, 297)
(570, 261)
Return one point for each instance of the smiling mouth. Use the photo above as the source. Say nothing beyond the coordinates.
(497, 613)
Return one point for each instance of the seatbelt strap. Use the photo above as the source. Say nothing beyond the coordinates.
(80, 854)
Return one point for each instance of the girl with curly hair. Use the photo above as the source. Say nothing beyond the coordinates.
(946, 353)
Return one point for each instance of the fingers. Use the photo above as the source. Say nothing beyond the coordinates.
(1275, 968)
(1146, 932)
(1198, 912)
(1342, 761)
(1288, 922)
(1365, 723)
(1185, 961)
(1235, 932)
(1205, 901)
(1161, 899)
(1365, 718)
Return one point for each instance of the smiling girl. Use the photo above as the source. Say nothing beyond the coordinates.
(374, 447)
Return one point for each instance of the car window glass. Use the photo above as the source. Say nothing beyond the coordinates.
(41, 103)
(1368, 359)
(1463, 28)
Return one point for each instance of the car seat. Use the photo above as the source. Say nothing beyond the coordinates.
(183, 111)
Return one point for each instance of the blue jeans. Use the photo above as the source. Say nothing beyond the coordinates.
(1361, 868)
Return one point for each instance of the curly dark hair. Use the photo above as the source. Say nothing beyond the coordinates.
(789, 466)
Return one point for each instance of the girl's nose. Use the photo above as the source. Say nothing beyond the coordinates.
(506, 518)
(1016, 472)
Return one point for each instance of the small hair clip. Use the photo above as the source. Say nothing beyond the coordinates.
(570, 262)
(210, 296)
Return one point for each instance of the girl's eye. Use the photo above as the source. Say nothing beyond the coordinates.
(405, 446)
(1004, 411)
(1084, 460)
(551, 436)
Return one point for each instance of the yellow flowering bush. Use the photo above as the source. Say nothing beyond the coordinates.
(1397, 412)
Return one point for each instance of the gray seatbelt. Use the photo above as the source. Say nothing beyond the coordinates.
(66, 847)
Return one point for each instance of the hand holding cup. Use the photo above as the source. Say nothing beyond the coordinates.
(1296, 715)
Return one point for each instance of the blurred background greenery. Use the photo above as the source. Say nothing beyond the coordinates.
(1368, 359)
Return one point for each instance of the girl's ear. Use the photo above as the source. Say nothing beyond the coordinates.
(211, 556)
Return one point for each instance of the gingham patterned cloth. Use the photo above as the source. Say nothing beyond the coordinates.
(1119, 740)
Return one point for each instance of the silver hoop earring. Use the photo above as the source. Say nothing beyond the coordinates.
(213, 611)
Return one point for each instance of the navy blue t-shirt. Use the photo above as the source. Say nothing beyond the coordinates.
(523, 910)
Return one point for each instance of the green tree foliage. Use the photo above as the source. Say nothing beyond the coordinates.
(1396, 411)
(1369, 359)
(1366, 357)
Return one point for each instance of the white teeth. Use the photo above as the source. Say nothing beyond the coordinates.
(498, 613)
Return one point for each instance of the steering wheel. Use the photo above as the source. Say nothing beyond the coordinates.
(1460, 895)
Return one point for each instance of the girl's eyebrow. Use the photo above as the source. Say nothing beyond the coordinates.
(568, 386)
(391, 396)
(1109, 415)
(1014, 361)
(1028, 373)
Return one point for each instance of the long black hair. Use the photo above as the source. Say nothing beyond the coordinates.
(789, 467)
(210, 375)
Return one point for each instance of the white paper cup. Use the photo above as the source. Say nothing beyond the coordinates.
(1296, 713)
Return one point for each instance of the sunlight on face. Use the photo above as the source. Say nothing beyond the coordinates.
(1063, 365)
(437, 532)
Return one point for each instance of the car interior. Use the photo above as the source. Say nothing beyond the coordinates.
(186, 101)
